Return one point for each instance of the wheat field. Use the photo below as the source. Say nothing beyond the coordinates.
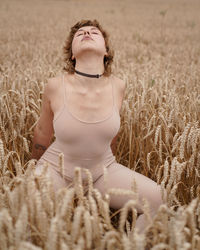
(157, 53)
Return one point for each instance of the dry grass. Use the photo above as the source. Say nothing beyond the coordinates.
(157, 53)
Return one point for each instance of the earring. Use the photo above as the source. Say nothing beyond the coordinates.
(73, 57)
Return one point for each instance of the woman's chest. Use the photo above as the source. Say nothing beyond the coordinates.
(88, 105)
(91, 106)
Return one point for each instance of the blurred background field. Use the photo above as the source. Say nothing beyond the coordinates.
(157, 53)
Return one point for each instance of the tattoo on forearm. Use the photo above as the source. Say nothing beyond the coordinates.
(39, 146)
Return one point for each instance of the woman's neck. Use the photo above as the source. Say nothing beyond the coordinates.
(89, 65)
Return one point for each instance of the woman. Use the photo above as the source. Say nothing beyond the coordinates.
(82, 107)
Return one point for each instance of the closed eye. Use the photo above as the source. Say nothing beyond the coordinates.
(92, 33)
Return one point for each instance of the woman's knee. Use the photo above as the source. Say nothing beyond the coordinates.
(156, 200)
(151, 192)
(55, 178)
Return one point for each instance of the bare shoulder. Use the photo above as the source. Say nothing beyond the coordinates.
(121, 87)
(121, 84)
(52, 85)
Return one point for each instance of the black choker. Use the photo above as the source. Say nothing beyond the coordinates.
(88, 75)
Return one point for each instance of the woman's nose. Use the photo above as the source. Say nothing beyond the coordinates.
(85, 32)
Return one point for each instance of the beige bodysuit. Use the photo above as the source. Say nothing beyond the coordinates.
(84, 144)
(87, 145)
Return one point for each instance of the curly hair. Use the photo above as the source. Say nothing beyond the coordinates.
(70, 64)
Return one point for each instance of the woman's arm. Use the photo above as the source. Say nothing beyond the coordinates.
(122, 88)
(43, 132)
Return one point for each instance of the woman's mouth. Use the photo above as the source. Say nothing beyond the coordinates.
(86, 38)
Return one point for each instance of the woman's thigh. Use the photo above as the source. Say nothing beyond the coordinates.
(119, 176)
(55, 177)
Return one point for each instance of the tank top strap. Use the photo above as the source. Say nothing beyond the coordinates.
(64, 90)
(113, 97)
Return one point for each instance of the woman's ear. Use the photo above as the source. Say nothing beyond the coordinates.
(106, 56)
(73, 57)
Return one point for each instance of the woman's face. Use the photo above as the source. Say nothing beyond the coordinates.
(88, 38)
